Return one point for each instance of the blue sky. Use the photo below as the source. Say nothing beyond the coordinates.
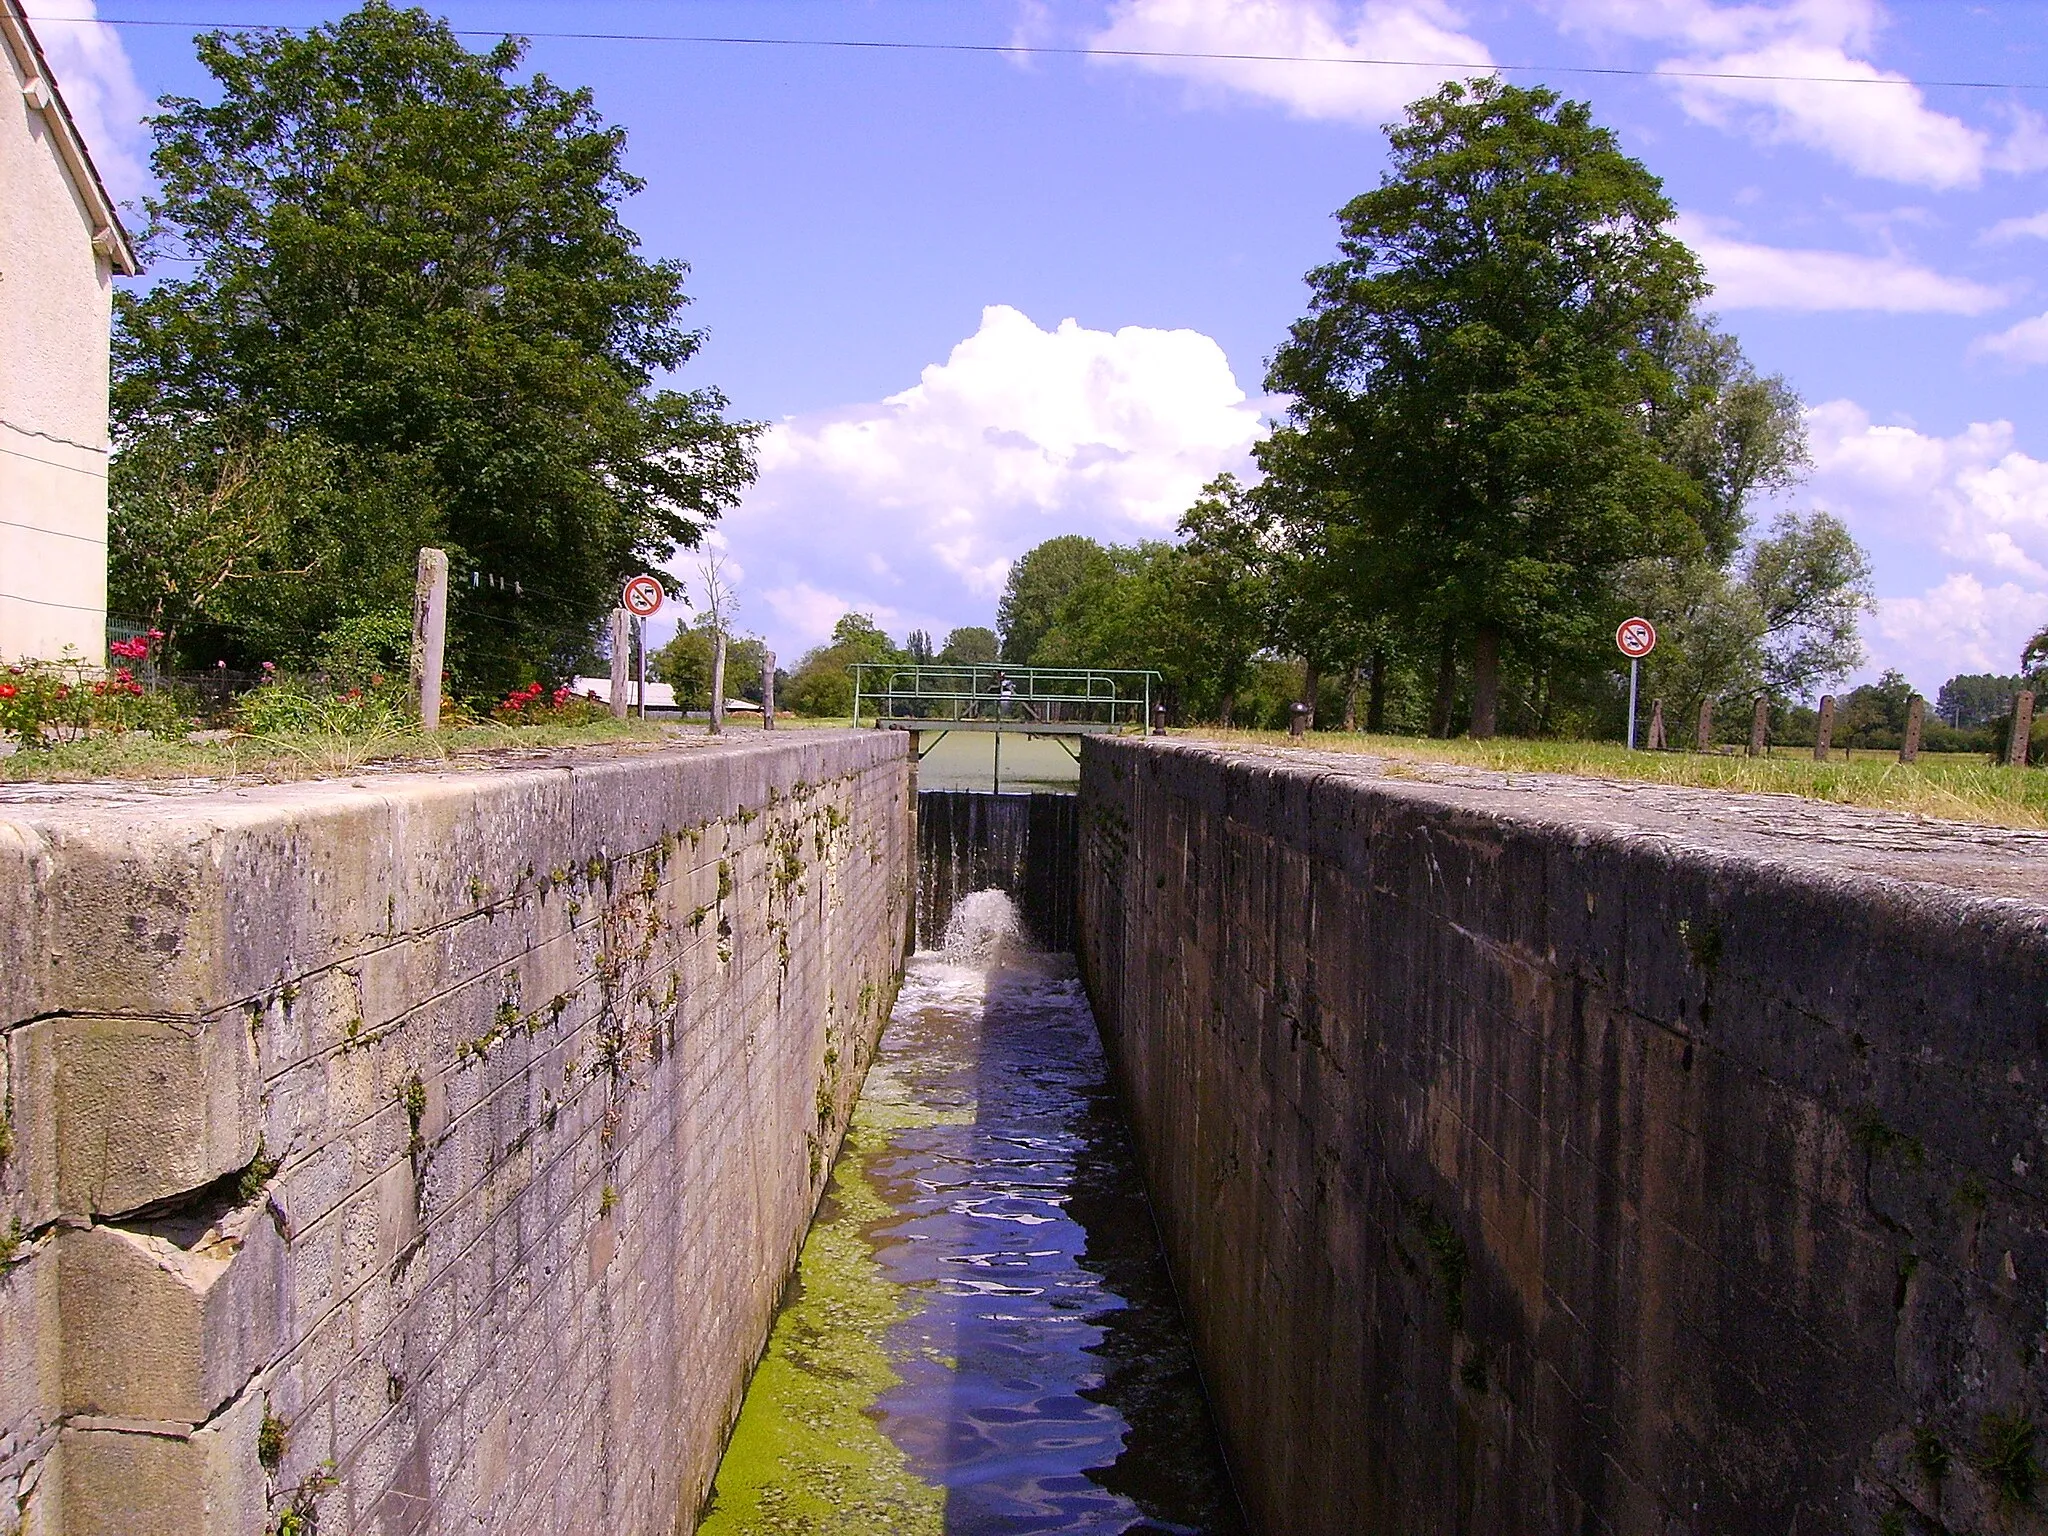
(986, 299)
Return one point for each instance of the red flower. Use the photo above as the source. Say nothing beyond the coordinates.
(8, 690)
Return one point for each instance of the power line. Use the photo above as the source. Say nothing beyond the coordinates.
(1047, 50)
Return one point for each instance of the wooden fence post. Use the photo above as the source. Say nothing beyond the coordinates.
(1656, 739)
(718, 685)
(622, 655)
(429, 633)
(2022, 728)
(1824, 728)
(1909, 748)
(1760, 727)
(1704, 737)
(767, 690)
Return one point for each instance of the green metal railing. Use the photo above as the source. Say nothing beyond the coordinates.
(1049, 700)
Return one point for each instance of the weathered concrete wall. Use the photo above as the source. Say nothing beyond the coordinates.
(427, 1151)
(1553, 1156)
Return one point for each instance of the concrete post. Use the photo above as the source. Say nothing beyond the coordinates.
(2022, 728)
(1760, 727)
(1824, 729)
(429, 633)
(767, 690)
(1297, 718)
(718, 685)
(1656, 741)
(621, 654)
(1704, 737)
(1909, 748)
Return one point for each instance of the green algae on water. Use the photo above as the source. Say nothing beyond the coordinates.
(808, 1457)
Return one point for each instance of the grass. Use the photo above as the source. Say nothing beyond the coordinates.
(1950, 787)
(305, 755)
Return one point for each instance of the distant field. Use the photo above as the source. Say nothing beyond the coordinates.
(1952, 787)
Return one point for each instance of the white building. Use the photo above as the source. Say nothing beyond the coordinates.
(60, 246)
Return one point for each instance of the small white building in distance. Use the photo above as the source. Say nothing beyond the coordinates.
(60, 246)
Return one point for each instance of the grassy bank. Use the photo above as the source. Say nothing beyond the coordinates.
(1951, 787)
(307, 754)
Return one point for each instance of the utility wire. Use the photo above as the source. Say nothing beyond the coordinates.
(1046, 50)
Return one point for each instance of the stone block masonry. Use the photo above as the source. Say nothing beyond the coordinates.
(1540, 1155)
(425, 1152)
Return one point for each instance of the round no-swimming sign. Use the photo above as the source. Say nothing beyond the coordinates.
(642, 597)
(1636, 637)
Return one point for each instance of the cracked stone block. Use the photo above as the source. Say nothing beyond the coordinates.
(144, 1478)
(169, 1319)
(149, 1109)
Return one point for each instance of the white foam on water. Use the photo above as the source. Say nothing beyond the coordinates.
(984, 930)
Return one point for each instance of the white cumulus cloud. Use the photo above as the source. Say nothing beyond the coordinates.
(1750, 276)
(1971, 508)
(2024, 344)
(1348, 85)
(1736, 72)
(912, 508)
(99, 88)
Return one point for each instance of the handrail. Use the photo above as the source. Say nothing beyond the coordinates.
(943, 691)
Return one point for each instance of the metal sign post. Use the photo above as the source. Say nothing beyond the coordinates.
(642, 597)
(1635, 639)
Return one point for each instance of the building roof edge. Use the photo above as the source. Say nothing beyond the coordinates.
(109, 238)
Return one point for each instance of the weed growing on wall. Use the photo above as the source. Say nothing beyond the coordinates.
(1930, 1458)
(2005, 1455)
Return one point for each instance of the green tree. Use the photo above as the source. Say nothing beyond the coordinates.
(822, 685)
(1810, 580)
(685, 665)
(1734, 431)
(1222, 595)
(1487, 342)
(204, 533)
(1038, 585)
(971, 645)
(408, 256)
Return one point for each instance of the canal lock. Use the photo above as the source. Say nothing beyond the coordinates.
(981, 1335)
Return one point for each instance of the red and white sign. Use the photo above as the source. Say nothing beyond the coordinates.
(642, 597)
(1636, 637)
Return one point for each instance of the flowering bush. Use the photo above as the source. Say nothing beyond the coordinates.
(138, 648)
(46, 703)
(534, 705)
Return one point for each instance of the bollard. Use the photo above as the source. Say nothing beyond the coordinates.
(1704, 737)
(429, 633)
(1824, 728)
(1909, 748)
(2022, 728)
(718, 685)
(1158, 719)
(1760, 727)
(1297, 718)
(767, 690)
(622, 647)
(1656, 741)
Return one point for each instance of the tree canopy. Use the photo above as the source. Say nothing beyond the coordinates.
(412, 316)
(1479, 366)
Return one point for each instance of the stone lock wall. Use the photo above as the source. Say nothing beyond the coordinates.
(424, 1153)
(1551, 1156)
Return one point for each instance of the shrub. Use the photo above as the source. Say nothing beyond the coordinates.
(534, 705)
(285, 705)
(46, 703)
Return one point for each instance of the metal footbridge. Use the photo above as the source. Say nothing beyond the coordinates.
(931, 700)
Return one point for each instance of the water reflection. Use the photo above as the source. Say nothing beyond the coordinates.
(1047, 1382)
(1038, 1376)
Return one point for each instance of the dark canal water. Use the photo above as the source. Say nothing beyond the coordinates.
(982, 1337)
